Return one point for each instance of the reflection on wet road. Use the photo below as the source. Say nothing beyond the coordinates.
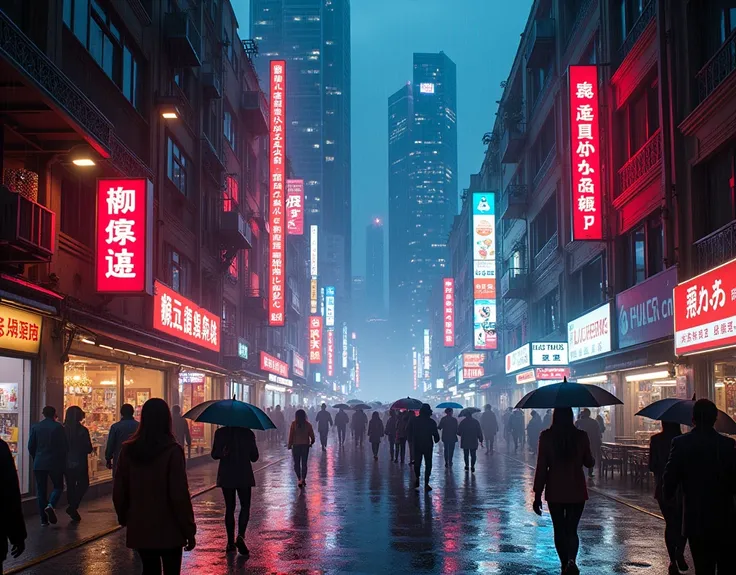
(361, 516)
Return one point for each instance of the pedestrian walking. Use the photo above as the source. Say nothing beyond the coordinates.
(375, 433)
(563, 451)
(703, 464)
(517, 428)
(507, 428)
(533, 429)
(411, 416)
(390, 430)
(470, 434)
(341, 422)
(448, 426)
(591, 427)
(181, 429)
(236, 450)
(120, 432)
(151, 493)
(402, 436)
(423, 434)
(47, 446)
(489, 426)
(359, 423)
(601, 423)
(660, 445)
(77, 467)
(324, 422)
(301, 439)
(12, 524)
(547, 420)
(280, 422)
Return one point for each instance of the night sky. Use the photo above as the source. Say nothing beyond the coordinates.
(480, 36)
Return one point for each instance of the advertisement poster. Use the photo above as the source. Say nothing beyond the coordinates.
(483, 225)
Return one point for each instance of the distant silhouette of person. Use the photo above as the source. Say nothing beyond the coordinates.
(280, 422)
(660, 445)
(236, 450)
(591, 427)
(341, 422)
(547, 420)
(359, 423)
(506, 419)
(48, 446)
(423, 434)
(120, 432)
(12, 523)
(470, 434)
(402, 435)
(448, 427)
(151, 493)
(489, 425)
(516, 421)
(703, 464)
(375, 433)
(77, 466)
(324, 422)
(411, 416)
(390, 431)
(181, 429)
(563, 451)
(533, 429)
(301, 439)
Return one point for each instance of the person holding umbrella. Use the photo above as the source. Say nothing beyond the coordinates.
(301, 439)
(402, 435)
(359, 423)
(375, 433)
(324, 422)
(470, 434)
(448, 426)
(341, 422)
(563, 451)
(422, 433)
(489, 426)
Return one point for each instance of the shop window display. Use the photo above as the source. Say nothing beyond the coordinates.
(725, 386)
(195, 388)
(141, 384)
(15, 382)
(646, 392)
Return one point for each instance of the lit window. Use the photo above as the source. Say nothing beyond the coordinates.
(176, 166)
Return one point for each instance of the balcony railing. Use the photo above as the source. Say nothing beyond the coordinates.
(541, 43)
(542, 171)
(641, 163)
(512, 143)
(513, 201)
(646, 16)
(717, 69)
(26, 229)
(582, 14)
(716, 248)
(514, 283)
(546, 251)
(185, 41)
(256, 112)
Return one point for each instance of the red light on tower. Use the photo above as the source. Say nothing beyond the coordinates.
(277, 221)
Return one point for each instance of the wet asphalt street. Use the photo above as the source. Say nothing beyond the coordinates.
(361, 516)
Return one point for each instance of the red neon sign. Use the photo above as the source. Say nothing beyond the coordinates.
(315, 339)
(274, 365)
(295, 207)
(330, 352)
(448, 299)
(277, 251)
(176, 315)
(124, 234)
(587, 197)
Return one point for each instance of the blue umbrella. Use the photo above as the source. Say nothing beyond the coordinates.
(450, 404)
(567, 394)
(680, 411)
(230, 412)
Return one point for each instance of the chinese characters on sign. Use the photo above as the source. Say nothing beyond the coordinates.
(330, 352)
(330, 306)
(448, 306)
(297, 364)
(19, 330)
(124, 220)
(295, 207)
(315, 339)
(473, 365)
(705, 311)
(518, 359)
(483, 239)
(415, 365)
(587, 219)
(271, 364)
(549, 353)
(277, 252)
(182, 318)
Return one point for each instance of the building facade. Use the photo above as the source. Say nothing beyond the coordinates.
(375, 306)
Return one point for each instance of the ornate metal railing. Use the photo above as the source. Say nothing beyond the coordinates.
(545, 166)
(583, 12)
(717, 69)
(641, 162)
(646, 16)
(715, 248)
(546, 251)
(126, 162)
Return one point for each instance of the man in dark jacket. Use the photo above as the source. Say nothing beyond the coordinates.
(359, 424)
(341, 422)
(448, 426)
(390, 431)
(703, 462)
(180, 428)
(324, 422)
(489, 424)
(423, 434)
(516, 421)
(48, 447)
(12, 525)
(120, 432)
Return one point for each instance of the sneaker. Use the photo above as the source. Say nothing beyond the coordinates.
(466, 468)
(472, 469)
(75, 516)
(682, 564)
(427, 487)
(230, 548)
(51, 515)
(241, 546)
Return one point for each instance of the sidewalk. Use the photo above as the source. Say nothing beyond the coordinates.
(99, 519)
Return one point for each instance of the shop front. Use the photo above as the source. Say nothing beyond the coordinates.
(534, 365)
(279, 386)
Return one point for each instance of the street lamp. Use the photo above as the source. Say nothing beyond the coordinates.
(82, 156)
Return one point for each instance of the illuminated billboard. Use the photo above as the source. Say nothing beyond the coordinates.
(330, 306)
(295, 207)
(448, 311)
(277, 227)
(483, 238)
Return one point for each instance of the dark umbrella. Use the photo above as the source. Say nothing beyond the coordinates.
(376, 404)
(450, 404)
(469, 411)
(362, 406)
(408, 403)
(680, 411)
(230, 412)
(567, 394)
(341, 406)
(354, 401)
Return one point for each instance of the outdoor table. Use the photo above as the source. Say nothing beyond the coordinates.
(626, 448)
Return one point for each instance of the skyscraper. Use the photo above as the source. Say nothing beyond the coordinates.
(313, 36)
(374, 276)
(422, 186)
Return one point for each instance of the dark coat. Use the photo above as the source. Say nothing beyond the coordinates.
(236, 450)
(390, 428)
(12, 524)
(402, 427)
(660, 445)
(181, 430)
(562, 481)
(448, 426)
(533, 430)
(516, 422)
(151, 497)
(591, 427)
(375, 430)
(119, 433)
(423, 432)
(470, 433)
(324, 421)
(489, 424)
(342, 419)
(703, 462)
(79, 447)
(47, 446)
(359, 422)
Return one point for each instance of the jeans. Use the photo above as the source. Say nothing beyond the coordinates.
(375, 445)
(401, 449)
(77, 483)
(341, 435)
(243, 494)
(154, 559)
(300, 453)
(711, 552)
(470, 454)
(323, 437)
(42, 478)
(673, 538)
(427, 456)
(449, 451)
(392, 447)
(565, 519)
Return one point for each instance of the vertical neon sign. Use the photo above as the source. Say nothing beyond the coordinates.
(276, 197)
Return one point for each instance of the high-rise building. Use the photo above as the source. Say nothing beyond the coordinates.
(313, 36)
(374, 275)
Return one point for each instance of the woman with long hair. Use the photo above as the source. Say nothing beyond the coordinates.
(76, 470)
(563, 451)
(151, 493)
(301, 438)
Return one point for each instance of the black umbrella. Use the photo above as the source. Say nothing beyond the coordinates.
(354, 401)
(567, 394)
(680, 411)
(362, 406)
(408, 403)
(341, 406)
(469, 411)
